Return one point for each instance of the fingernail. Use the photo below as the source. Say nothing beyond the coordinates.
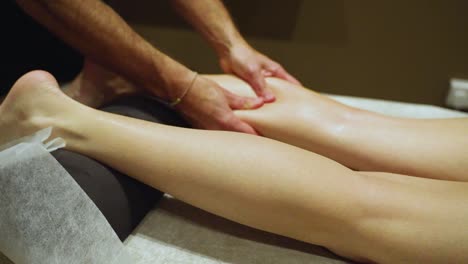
(253, 103)
(247, 105)
(269, 98)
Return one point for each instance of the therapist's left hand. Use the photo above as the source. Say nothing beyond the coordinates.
(253, 67)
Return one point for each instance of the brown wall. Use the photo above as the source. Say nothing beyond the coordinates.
(398, 50)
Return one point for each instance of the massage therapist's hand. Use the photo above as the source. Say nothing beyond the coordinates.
(207, 105)
(252, 66)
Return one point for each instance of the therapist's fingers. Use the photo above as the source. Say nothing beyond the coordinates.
(248, 64)
(242, 102)
(255, 76)
(281, 73)
(233, 123)
(209, 106)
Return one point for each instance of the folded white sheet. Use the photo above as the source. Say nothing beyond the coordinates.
(45, 217)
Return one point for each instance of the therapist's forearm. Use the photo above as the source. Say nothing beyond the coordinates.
(101, 34)
(213, 21)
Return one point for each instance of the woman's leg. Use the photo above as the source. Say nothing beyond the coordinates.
(213, 170)
(362, 140)
(413, 220)
(122, 200)
(125, 201)
(258, 182)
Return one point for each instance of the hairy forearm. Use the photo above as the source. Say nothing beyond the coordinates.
(101, 34)
(212, 20)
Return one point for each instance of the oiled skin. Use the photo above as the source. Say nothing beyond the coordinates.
(263, 183)
(362, 140)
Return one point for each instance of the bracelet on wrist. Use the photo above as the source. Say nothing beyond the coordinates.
(179, 99)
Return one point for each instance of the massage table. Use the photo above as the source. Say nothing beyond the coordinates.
(175, 232)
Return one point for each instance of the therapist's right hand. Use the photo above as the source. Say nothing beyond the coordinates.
(209, 106)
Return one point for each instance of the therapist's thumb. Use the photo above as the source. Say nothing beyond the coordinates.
(242, 102)
(256, 78)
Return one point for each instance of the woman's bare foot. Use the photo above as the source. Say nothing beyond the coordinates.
(34, 102)
(96, 86)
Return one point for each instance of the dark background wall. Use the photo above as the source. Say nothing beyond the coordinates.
(25, 45)
(398, 50)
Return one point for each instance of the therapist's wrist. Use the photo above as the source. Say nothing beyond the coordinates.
(167, 78)
(175, 79)
(239, 47)
(230, 42)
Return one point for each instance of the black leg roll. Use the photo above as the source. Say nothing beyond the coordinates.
(123, 200)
